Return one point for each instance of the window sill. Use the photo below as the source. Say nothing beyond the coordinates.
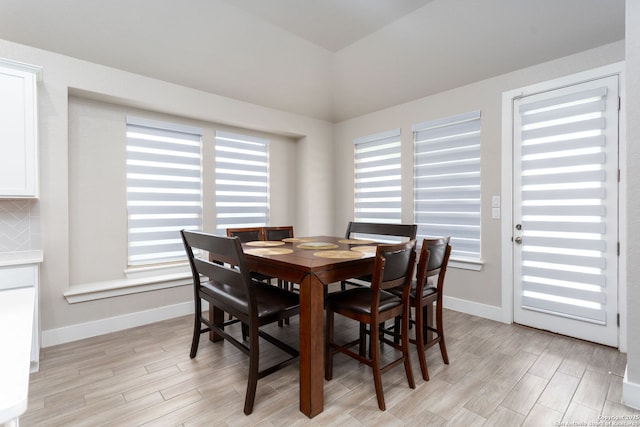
(113, 288)
(466, 264)
(142, 272)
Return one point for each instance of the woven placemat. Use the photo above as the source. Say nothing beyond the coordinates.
(317, 245)
(298, 239)
(356, 241)
(264, 243)
(268, 251)
(339, 254)
(367, 249)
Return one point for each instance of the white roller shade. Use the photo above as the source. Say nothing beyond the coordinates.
(447, 182)
(564, 177)
(163, 189)
(242, 181)
(377, 184)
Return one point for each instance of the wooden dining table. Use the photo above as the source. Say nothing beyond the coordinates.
(314, 263)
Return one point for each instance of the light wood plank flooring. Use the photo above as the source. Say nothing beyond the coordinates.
(499, 375)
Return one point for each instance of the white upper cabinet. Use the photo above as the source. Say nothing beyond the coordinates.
(18, 130)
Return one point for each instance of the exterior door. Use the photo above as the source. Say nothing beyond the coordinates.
(565, 211)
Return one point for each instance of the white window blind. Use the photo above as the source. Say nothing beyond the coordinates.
(447, 182)
(377, 186)
(242, 181)
(567, 167)
(163, 189)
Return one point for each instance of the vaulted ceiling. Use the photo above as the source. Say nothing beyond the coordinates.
(330, 59)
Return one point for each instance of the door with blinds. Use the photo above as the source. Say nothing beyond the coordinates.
(565, 212)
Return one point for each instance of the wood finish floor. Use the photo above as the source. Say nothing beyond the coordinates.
(499, 375)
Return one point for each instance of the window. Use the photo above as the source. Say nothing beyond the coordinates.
(242, 181)
(447, 182)
(163, 189)
(377, 186)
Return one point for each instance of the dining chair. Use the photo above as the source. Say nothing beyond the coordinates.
(246, 234)
(380, 231)
(371, 306)
(373, 230)
(250, 234)
(225, 283)
(432, 267)
(276, 233)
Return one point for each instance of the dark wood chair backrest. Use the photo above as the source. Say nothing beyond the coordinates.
(278, 233)
(393, 267)
(433, 261)
(225, 263)
(407, 231)
(246, 234)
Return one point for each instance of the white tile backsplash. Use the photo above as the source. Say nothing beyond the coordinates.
(19, 225)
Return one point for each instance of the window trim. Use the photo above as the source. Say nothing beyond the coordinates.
(153, 281)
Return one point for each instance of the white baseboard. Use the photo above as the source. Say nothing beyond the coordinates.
(630, 392)
(113, 324)
(80, 331)
(474, 308)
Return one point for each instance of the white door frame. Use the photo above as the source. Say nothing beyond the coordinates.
(507, 188)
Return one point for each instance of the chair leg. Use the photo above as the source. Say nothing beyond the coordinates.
(382, 327)
(396, 330)
(281, 285)
(288, 287)
(420, 339)
(375, 365)
(254, 359)
(362, 346)
(197, 324)
(245, 331)
(405, 351)
(196, 336)
(443, 351)
(440, 329)
(328, 351)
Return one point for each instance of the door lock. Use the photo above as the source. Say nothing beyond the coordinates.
(518, 226)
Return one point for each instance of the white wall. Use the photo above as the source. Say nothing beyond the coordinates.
(631, 391)
(62, 75)
(476, 292)
(97, 184)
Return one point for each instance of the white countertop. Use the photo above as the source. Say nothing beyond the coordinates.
(16, 321)
(20, 257)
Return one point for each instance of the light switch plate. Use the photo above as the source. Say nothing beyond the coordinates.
(495, 201)
(495, 213)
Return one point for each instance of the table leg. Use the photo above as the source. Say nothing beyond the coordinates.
(311, 346)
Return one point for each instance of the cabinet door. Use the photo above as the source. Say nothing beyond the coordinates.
(18, 133)
(25, 276)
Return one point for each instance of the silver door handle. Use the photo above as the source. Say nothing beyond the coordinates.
(518, 240)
